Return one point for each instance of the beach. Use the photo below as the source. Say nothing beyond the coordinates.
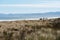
(21, 19)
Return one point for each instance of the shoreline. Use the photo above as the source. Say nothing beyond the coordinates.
(21, 19)
(29, 19)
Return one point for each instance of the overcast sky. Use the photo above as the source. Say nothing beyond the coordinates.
(29, 6)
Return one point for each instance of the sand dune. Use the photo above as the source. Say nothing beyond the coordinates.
(42, 29)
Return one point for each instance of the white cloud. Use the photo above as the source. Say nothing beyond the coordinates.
(48, 5)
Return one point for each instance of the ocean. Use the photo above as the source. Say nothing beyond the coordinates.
(32, 16)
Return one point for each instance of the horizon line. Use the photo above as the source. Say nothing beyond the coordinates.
(26, 13)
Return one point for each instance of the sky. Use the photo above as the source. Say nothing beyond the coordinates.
(29, 6)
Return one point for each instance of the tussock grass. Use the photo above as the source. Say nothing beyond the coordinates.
(48, 29)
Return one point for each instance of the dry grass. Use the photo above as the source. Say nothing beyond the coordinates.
(30, 30)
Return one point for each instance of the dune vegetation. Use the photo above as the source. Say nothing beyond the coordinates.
(42, 29)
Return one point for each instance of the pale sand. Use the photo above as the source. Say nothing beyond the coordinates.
(21, 19)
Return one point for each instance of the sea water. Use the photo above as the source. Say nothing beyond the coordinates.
(33, 16)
